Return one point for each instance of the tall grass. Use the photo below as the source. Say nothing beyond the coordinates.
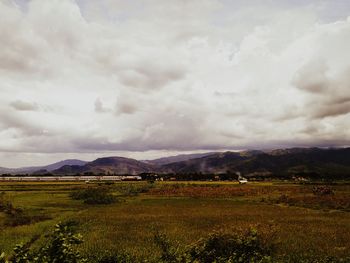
(185, 212)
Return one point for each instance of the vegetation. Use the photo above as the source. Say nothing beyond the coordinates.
(322, 190)
(163, 220)
(218, 247)
(16, 216)
(60, 247)
(94, 195)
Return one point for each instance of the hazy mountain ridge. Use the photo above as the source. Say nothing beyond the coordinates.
(111, 165)
(310, 162)
(281, 162)
(298, 161)
(42, 169)
(177, 158)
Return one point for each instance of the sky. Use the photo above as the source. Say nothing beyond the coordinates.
(147, 78)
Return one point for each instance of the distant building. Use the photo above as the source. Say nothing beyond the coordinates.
(241, 179)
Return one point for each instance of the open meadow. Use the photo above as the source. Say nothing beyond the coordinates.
(298, 220)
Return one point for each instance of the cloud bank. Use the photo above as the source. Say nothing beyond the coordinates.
(85, 78)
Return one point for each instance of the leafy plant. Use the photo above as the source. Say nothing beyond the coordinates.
(221, 247)
(169, 252)
(16, 216)
(113, 257)
(322, 190)
(94, 195)
(5, 204)
(59, 248)
(218, 247)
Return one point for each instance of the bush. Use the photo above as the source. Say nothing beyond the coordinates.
(94, 195)
(131, 189)
(5, 204)
(60, 247)
(218, 247)
(113, 257)
(169, 252)
(17, 216)
(283, 198)
(221, 247)
(322, 190)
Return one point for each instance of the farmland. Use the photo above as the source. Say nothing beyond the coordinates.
(299, 220)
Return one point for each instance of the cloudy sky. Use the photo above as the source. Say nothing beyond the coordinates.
(145, 78)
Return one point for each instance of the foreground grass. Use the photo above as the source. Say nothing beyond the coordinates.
(185, 212)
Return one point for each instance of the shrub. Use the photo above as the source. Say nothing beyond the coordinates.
(2, 258)
(221, 247)
(5, 204)
(218, 247)
(322, 190)
(17, 216)
(113, 257)
(94, 195)
(283, 198)
(60, 247)
(134, 189)
(169, 252)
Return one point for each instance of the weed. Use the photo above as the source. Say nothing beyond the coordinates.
(94, 195)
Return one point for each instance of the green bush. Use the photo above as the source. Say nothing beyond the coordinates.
(112, 257)
(217, 248)
(5, 204)
(94, 195)
(133, 189)
(59, 248)
(16, 216)
(169, 252)
(221, 247)
(322, 190)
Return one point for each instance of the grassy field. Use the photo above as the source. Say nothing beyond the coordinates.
(295, 219)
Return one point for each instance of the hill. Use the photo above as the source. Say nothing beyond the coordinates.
(110, 165)
(177, 158)
(308, 162)
(281, 163)
(41, 169)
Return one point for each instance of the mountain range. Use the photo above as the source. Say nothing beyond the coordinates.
(307, 162)
(40, 169)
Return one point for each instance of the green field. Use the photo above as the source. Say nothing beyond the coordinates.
(296, 220)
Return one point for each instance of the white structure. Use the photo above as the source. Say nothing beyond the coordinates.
(70, 178)
(241, 179)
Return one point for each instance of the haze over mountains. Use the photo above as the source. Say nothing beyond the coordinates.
(47, 168)
(310, 162)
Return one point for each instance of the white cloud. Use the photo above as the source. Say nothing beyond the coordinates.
(170, 76)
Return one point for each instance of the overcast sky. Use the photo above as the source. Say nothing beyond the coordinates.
(145, 78)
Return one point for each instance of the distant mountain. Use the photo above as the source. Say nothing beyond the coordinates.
(58, 165)
(310, 162)
(293, 151)
(177, 158)
(41, 169)
(110, 165)
(214, 163)
(285, 163)
(4, 170)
